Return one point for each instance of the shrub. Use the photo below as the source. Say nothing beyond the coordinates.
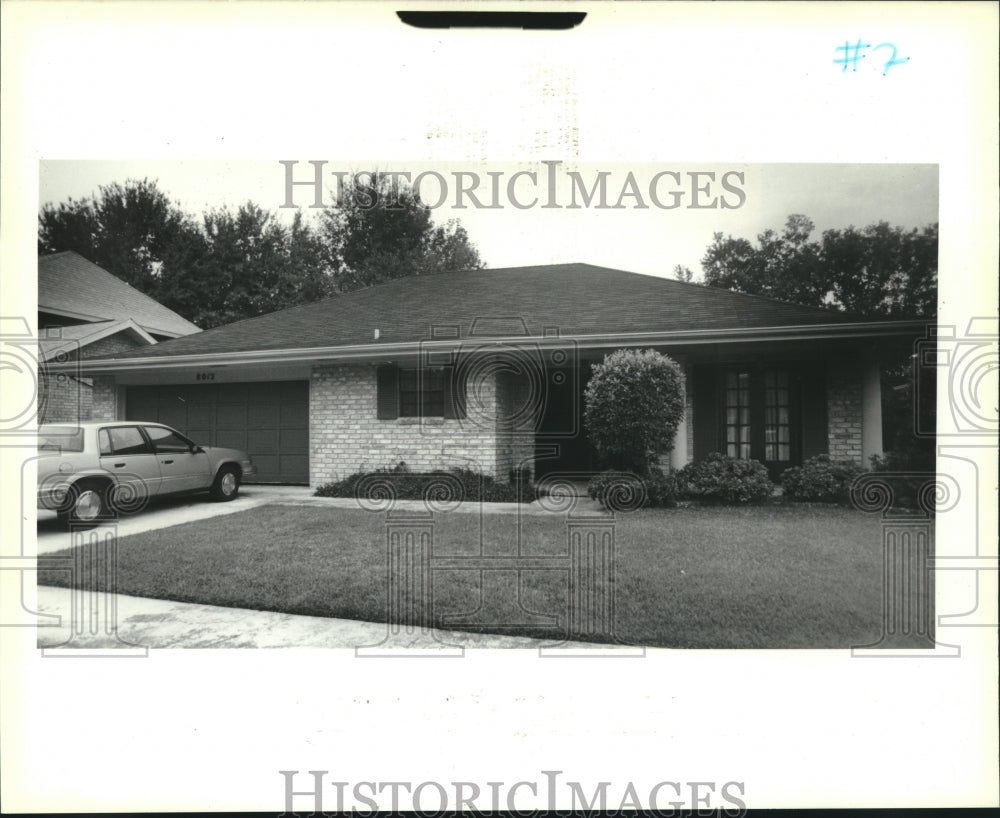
(908, 478)
(821, 478)
(625, 491)
(442, 487)
(722, 479)
(633, 404)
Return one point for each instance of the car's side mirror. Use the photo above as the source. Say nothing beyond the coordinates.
(196, 449)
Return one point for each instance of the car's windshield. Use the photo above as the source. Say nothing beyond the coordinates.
(60, 438)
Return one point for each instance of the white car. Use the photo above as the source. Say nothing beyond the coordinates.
(88, 472)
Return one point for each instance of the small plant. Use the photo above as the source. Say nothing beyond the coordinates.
(821, 479)
(908, 477)
(444, 487)
(721, 479)
(625, 491)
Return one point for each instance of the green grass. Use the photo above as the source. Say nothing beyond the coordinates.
(778, 576)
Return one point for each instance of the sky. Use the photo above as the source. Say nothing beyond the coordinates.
(650, 239)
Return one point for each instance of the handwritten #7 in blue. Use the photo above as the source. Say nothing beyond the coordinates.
(852, 55)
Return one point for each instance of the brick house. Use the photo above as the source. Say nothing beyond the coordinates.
(486, 369)
(86, 312)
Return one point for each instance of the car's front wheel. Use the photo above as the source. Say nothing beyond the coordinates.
(227, 484)
(87, 504)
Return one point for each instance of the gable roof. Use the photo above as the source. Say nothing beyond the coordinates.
(71, 286)
(67, 340)
(576, 301)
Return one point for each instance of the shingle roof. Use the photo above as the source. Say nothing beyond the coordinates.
(70, 285)
(577, 299)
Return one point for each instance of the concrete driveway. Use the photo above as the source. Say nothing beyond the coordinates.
(167, 511)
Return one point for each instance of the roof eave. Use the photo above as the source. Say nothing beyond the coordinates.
(97, 319)
(385, 351)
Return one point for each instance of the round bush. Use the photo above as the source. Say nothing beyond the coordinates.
(721, 479)
(820, 479)
(632, 407)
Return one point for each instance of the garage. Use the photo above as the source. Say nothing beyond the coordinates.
(270, 420)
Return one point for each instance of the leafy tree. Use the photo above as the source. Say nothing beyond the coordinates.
(380, 231)
(683, 274)
(879, 271)
(127, 229)
(883, 270)
(447, 248)
(232, 264)
(244, 263)
(71, 225)
(632, 407)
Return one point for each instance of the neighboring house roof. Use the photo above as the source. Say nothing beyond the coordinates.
(72, 287)
(593, 306)
(67, 340)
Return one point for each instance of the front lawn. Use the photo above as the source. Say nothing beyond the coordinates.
(777, 576)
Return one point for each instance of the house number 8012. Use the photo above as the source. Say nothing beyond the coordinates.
(205, 376)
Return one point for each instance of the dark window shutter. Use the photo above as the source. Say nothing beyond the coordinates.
(814, 440)
(454, 394)
(706, 398)
(388, 392)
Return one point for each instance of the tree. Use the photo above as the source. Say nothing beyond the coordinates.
(380, 231)
(879, 271)
(244, 263)
(683, 274)
(783, 266)
(233, 264)
(632, 407)
(127, 229)
(883, 270)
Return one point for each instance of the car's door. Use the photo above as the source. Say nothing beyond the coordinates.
(183, 466)
(125, 452)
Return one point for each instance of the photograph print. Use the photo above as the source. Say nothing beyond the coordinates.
(426, 407)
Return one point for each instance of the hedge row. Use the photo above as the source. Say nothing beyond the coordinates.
(437, 487)
(713, 479)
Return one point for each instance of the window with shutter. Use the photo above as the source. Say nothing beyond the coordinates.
(388, 392)
(428, 392)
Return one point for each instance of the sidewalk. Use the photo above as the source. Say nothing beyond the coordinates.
(160, 623)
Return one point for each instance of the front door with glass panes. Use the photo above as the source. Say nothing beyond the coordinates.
(760, 416)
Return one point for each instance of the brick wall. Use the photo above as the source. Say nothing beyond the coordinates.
(516, 416)
(843, 395)
(63, 398)
(119, 342)
(69, 398)
(345, 436)
(105, 398)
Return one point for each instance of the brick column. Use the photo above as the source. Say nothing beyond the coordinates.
(844, 412)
